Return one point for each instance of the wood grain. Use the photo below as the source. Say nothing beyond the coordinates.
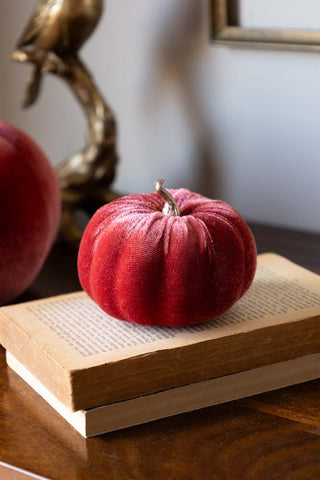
(273, 436)
(299, 403)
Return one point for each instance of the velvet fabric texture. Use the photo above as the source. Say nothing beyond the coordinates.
(146, 267)
(29, 212)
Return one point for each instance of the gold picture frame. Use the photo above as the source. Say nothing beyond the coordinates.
(225, 29)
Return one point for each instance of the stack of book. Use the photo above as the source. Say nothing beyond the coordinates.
(102, 374)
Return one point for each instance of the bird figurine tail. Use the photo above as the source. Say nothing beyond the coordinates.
(33, 87)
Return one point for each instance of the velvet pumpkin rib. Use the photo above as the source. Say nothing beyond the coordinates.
(201, 207)
(129, 266)
(185, 265)
(204, 208)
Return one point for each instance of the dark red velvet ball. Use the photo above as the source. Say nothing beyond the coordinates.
(29, 210)
(141, 265)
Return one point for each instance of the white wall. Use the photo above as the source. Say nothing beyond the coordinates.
(235, 123)
(279, 13)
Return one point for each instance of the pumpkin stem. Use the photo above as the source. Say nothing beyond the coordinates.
(171, 206)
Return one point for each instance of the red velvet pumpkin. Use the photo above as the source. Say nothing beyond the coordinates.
(29, 211)
(181, 264)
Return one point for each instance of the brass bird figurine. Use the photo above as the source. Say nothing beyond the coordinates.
(57, 27)
(51, 43)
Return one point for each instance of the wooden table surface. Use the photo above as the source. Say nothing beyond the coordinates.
(274, 436)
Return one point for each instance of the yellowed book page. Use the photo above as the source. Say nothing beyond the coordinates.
(77, 334)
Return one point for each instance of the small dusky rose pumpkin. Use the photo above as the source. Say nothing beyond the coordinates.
(166, 258)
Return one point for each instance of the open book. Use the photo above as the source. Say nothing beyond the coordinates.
(88, 359)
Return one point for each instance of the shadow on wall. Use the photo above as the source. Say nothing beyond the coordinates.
(179, 48)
